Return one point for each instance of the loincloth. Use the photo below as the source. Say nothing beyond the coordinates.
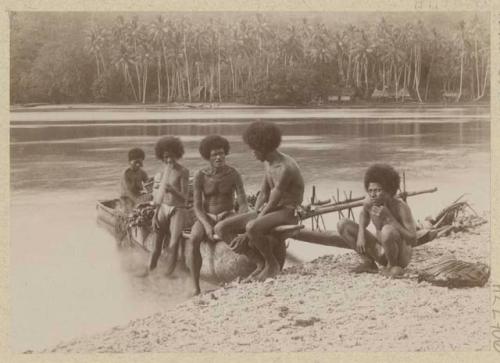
(216, 218)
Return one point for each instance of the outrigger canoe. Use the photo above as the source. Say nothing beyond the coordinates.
(220, 263)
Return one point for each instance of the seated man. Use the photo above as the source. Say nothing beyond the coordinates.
(133, 179)
(213, 191)
(281, 193)
(392, 219)
(170, 200)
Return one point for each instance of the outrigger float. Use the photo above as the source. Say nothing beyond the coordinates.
(220, 263)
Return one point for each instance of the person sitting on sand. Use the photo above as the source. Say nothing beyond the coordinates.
(391, 217)
(133, 179)
(170, 201)
(214, 190)
(281, 193)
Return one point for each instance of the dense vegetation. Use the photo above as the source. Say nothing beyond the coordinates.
(248, 58)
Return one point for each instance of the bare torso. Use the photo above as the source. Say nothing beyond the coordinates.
(293, 192)
(173, 175)
(398, 208)
(132, 182)
(218, 189)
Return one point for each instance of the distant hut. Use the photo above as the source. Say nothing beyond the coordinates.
(342, 95)
(452, 96)
(403, 92)
(380, 95)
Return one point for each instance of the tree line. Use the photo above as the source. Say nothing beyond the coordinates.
(254, 60)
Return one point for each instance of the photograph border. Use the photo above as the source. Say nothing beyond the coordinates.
(7, 6)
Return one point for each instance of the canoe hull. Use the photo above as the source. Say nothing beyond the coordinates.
(220, 263)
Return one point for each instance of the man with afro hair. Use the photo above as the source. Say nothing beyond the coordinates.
(170, 198)
(133, 179)
(395, 228)
(393, 222)
(281, 192)
(214, 190)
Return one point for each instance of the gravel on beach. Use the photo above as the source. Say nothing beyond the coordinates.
(320, 306)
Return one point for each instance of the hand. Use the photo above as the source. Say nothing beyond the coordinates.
(360, 245)
(382, 213)
(240, 243)
(209, 230)
(367, 203)
(155, 224)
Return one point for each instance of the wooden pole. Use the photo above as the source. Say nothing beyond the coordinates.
(357, 202)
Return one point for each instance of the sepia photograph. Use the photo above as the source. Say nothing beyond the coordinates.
(250, 182)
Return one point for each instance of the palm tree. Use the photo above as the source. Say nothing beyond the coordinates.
(95, 43)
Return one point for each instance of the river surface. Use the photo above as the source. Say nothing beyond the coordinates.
(67, 278)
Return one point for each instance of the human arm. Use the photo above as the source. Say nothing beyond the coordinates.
(284, 177)
(407, 227)
(263, 194)
(199, 211)
(180, 192)
(155, 223)
(128, 184)
(240, 195)
(364, 220)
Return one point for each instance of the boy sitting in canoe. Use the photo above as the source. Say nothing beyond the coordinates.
(170, 200)
(214, 190)
(281, 193)
(392, 219)
(133, 179)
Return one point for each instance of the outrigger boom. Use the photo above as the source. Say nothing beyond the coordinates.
(349, 204)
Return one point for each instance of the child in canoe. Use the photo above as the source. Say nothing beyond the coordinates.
(133, 179)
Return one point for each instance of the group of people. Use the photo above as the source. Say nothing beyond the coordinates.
(222, 212)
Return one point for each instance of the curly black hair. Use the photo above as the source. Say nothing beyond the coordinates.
(213, 142)
(262, 136)
(136, 154)
(171, 144)
(385, 175)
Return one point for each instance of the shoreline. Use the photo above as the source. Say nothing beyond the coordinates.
(320, 306)
(40, 107)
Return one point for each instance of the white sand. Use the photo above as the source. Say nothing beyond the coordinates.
(320, 306)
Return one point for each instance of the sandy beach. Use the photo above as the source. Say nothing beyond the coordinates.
(320, 306)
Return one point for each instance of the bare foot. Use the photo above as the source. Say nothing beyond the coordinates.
(143, 272)
(269, 271)
(365, 267)
(193, 293)
(392, 272)
(396, 272)
(254, 274)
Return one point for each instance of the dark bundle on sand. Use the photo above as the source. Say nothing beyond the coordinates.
(452, 273)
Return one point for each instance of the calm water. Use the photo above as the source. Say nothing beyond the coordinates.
(67, 277)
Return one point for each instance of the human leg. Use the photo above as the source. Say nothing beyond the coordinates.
(195, 262)
(230, 227)
(257, 230)
(176, 225)
(158, 244)
(348, 230)
(398, 253)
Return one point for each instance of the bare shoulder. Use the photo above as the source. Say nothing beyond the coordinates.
(290, 162)
(184, 171)
(401, 206)
(234, 173)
